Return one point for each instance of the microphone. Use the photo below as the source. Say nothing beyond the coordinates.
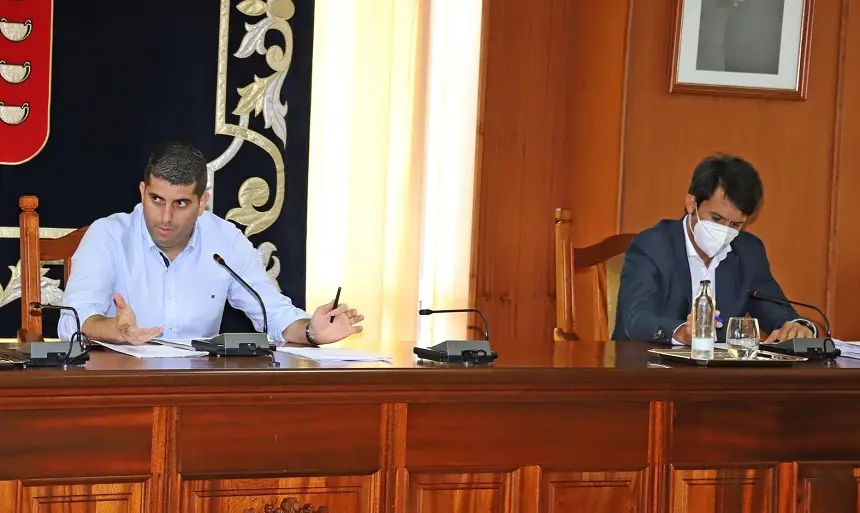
(238, 344)
(812, 348)
(244, 283)
(53, 354)
(467, 352)
(427, 311)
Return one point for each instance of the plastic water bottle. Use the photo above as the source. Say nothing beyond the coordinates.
(704, 323)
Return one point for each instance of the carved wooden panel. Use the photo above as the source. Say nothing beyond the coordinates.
(709, 433)
(343, 494)
(585, 435)
(830, 488)
(490, 492)
(24, 497)
(595, 492)
(79, 442)
(299, 438)
(736, 490)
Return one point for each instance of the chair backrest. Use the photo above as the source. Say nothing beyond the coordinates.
(34, 251)
(599, 265)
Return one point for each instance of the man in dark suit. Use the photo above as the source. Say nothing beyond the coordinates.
(664, 264)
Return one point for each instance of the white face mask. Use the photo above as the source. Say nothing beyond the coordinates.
(712, 237)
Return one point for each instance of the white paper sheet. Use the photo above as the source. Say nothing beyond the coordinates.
(152, 350)
(333, 354)
(849, 349)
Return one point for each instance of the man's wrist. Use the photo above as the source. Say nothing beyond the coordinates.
(310, 336)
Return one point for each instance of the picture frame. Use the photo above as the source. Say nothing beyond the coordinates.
(752, 48)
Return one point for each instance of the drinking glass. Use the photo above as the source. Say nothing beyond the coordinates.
(742, 337)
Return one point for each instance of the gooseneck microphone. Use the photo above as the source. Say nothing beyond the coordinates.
(466, 352)
(244, 283)
(239, 344)
(427, 311)
(812, 348)
(52, 354)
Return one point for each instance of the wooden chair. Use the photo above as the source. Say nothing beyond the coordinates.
(600, 264)
(34, 251)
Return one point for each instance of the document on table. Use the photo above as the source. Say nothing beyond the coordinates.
(158, 349)
(849, 349)
(333, 354)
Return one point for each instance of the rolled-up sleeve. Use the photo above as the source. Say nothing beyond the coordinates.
(92, 281)
(280, 310)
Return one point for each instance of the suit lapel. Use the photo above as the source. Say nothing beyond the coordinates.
(682, 266)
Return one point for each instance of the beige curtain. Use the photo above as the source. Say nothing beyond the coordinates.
(380, 142)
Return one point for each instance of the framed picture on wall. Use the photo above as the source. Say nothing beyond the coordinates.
(757, 48)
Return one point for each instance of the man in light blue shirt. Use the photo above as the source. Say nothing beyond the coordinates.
(151, 273)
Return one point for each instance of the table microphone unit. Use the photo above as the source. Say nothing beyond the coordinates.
(458, 351)
(238, 344)
(812, 348)
(55, 354)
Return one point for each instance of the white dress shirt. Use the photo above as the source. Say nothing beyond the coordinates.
(184, 297)
(698, 270)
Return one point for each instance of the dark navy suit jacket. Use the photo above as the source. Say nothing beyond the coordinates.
(654, 297)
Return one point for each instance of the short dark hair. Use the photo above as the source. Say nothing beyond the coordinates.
(178, 164)
(738, 178)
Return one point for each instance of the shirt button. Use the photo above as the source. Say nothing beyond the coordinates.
(658, 335)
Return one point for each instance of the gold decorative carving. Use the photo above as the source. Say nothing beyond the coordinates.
(51, 292)
(14, 232)
(289, 505)
(265, 251)
(260, 96)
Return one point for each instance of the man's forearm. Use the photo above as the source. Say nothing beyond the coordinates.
(99, 327)
(295, 332)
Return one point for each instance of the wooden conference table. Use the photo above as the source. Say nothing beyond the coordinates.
(604, 427)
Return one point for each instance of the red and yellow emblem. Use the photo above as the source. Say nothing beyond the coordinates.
(26, 31)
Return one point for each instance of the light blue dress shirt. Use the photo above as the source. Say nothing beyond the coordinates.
(185, 298)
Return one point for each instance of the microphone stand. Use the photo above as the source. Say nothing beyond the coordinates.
(239, 344)
(50, 354)
(823, 349)
(467, 352)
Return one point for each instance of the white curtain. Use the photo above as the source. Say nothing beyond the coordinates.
(392, 152)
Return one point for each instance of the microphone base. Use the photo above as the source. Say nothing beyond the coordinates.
(234, 344)
(458, 351)
(812, 348)
(52, 354)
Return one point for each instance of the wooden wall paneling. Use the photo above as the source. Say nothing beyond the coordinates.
(265, 441)
(845, 248)
(62, 496)
(740, 490)
(64, 438)
(552, 105)
(339, 494)
(828, 488)
(518, 188)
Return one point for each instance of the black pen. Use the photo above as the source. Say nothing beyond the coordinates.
(336, 299)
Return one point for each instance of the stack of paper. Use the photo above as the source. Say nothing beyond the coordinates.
(333, 354)
(849, 349)
(153, 350)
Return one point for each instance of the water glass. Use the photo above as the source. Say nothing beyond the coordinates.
(742, 337)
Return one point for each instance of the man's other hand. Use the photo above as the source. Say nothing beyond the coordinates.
(126, 324)
(789, 331)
